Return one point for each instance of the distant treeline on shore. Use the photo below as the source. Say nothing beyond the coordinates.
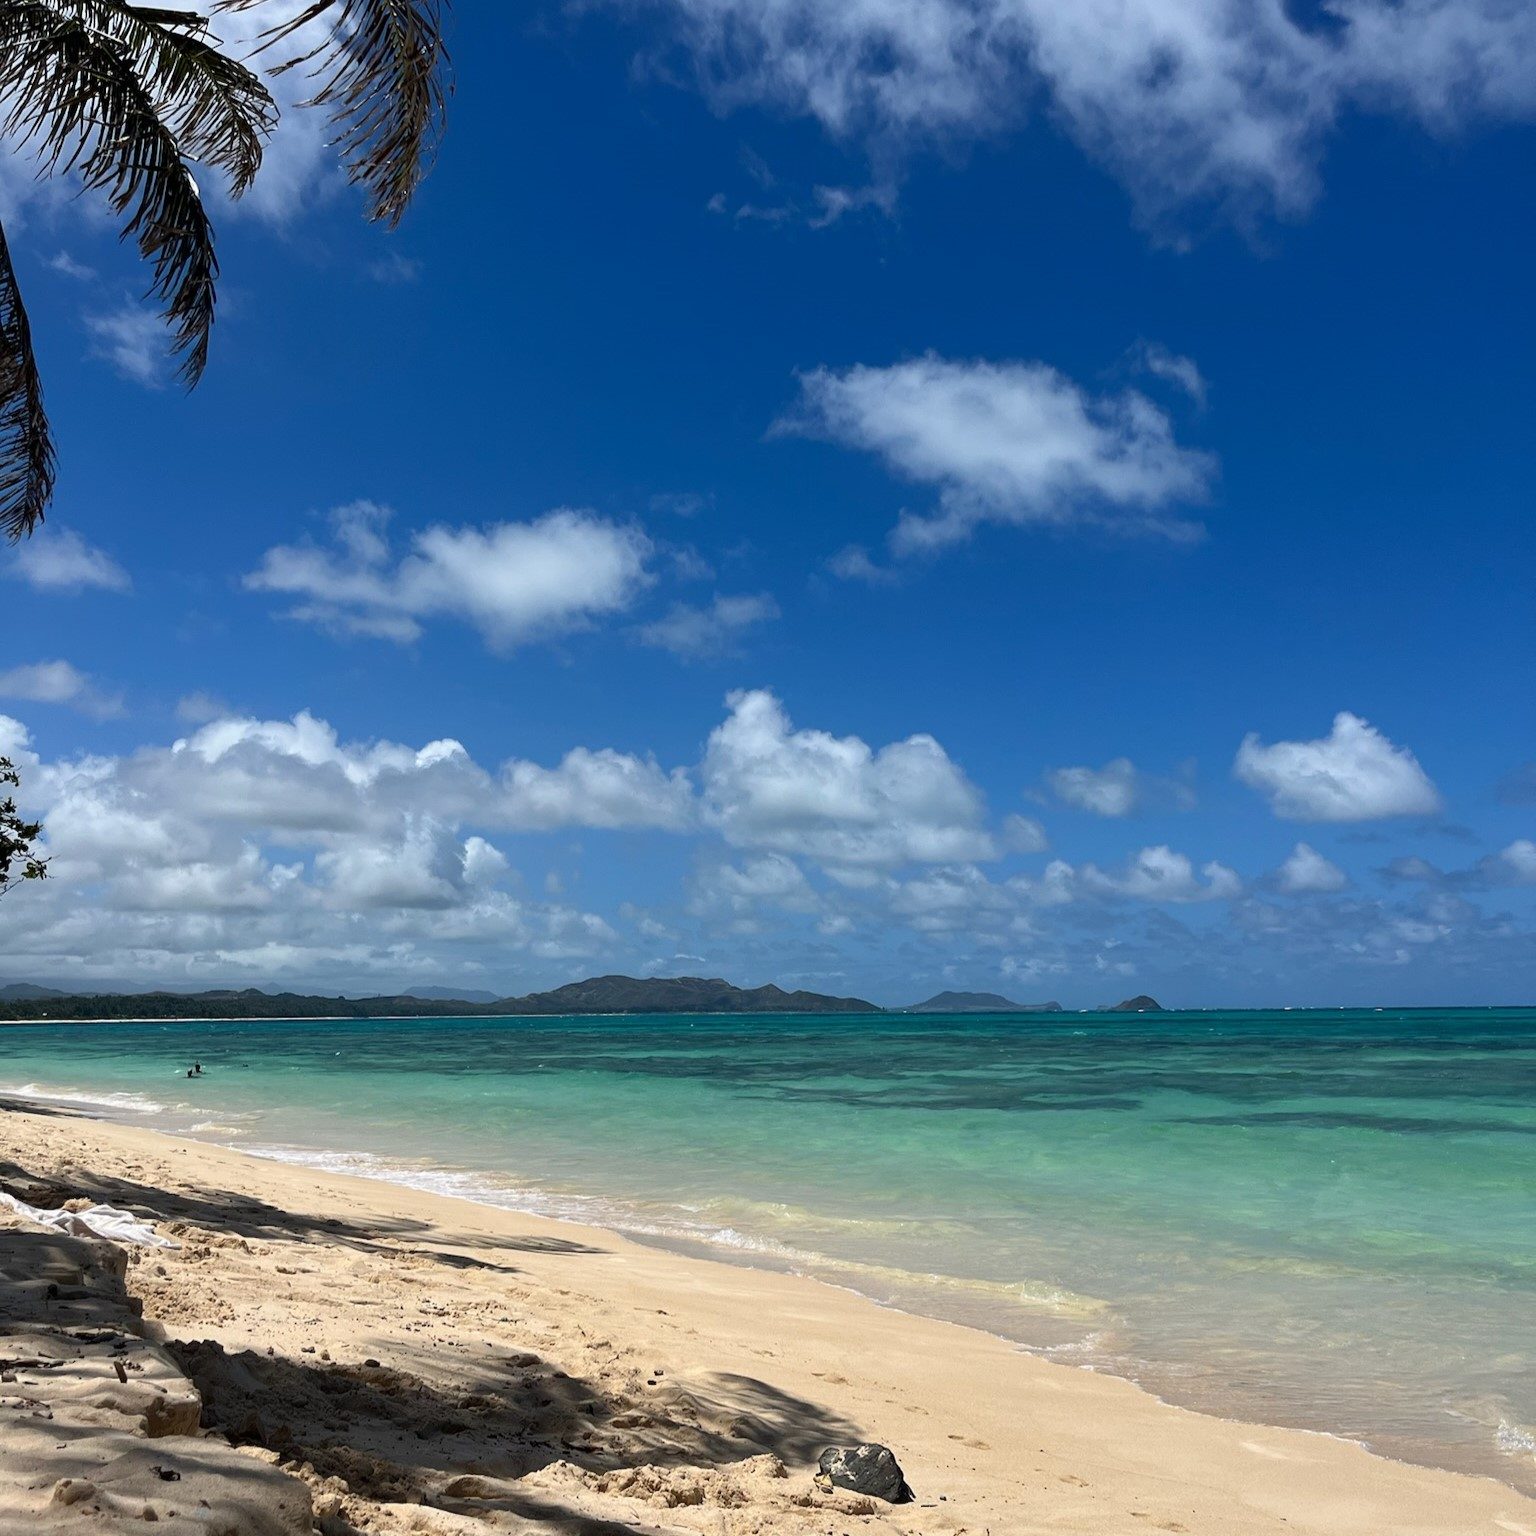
(22, 1003)
(600, 994)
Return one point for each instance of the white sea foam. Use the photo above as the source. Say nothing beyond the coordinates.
(1514, 1440)
(129, 1103)
(480, 1188)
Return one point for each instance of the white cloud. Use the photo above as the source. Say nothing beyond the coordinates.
(394, 270)
(1517, 863)
(66, 264)
(1512, 865)
(259, 851)
(1307, 872)
(274, 847)
(514, 582)
(1156, 359)
(1023, 834)
(1012, 442)
(64, 562)
(835, 799)
(954, 898)
(299, 166)
(597, 789)
(1113, 790)
(57, 682)
(426, 866)
(1160, 874)
(199, 707)
(682, 503)
(134, 341)
(1352, 774)
(770, 880)
(694, 632)
(853, 563)
(1207, 101)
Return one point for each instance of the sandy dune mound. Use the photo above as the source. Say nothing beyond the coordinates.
(99, 1426)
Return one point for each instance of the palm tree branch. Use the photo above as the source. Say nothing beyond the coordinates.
(76, 94)
(218, 109)
(26, 444)
(382, 68)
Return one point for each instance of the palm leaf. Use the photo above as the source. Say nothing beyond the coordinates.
(382, 69)
(219, 110)
(26, 445)
(75, 93)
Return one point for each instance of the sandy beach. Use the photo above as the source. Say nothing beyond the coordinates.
(393, 1361)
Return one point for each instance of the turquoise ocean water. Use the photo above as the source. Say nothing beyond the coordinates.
(1325, 1220)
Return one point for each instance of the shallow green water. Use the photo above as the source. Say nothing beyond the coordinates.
(1318, 1219)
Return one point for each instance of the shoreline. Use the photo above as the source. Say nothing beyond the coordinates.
(875, 1012)
(1087, 1438)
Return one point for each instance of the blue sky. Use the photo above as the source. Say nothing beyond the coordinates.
(903, 460)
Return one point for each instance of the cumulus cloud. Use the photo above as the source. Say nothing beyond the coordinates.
(64, 562)
(1307, 872)
(834, 798)
(1352, 774)
(601, 788)
(426, 866)
(1159, 874)
(57, 682)
(1187, 101)
(695, 633)
(1113, 790)
(770, 880)
(273, 847)
(254, 851)
(1513, 865)
(1120, 788)
(954, 898)
(514, 582)
(1013, 442)
(1517, 862)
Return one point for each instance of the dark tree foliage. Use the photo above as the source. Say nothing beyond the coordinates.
(18, 861)
(129, 98)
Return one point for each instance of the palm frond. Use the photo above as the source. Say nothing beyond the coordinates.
(74, 92)
(219, 110)
(26, 444)
(382, 68)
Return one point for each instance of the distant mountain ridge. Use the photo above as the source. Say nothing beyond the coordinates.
(598, 994)
(978, 1002)
(448, 995)
(679, 994)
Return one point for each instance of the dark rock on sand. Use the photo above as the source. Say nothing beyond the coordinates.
(868, 1469)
